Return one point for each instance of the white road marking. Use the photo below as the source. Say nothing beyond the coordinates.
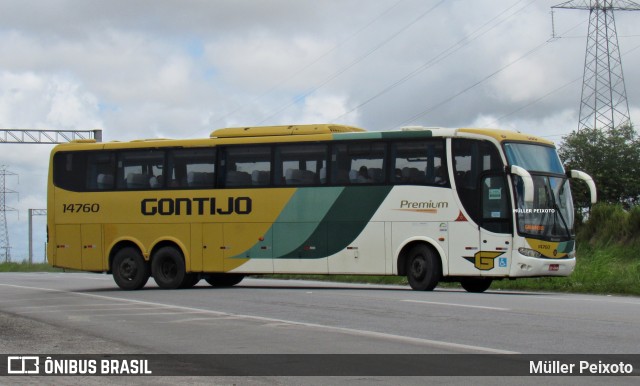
(344, 330)
(573, 299)
(456, 305)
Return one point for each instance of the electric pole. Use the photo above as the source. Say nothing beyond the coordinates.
(604, 97)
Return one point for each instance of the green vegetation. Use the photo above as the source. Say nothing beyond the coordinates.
(26, 267)
(611, 157)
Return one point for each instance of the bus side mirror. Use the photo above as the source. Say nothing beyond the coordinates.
(528, 183)
(577, 174)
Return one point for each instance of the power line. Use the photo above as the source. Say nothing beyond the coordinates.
(441, 56)
(353, 63)
(547, 95)
(314, 61)
(452, 97)
(431, 108)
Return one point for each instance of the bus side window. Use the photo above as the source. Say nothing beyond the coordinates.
(192, 168)
(135, 169)
(246, 166)
(69, 171)
(301, 164)
(419, 163)
(359, 163)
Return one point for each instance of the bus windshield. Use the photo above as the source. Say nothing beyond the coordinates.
(551, 215)
(534, 158)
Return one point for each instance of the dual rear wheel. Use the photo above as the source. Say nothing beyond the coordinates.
(131, 271)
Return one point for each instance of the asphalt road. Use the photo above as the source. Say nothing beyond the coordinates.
(56, 313)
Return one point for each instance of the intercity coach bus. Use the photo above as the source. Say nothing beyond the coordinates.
(434, 204)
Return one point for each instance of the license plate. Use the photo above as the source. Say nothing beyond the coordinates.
(554, 267)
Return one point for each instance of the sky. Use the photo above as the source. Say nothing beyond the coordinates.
(183, 68)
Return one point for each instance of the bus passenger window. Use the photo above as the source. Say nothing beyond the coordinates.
(359, 163)
(192, 168)
(100, 170)
(301, 164)
(135, 169)
(420, 163)
(69, 171)
(247, 166)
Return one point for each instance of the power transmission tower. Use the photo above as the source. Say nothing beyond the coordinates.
(604, 96)
(5, 247)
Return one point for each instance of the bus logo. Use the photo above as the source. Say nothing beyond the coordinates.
(199, 205)
(484, 260)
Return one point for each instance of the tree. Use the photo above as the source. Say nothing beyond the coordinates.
(611, 157)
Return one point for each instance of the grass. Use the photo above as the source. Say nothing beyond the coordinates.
(26, 267)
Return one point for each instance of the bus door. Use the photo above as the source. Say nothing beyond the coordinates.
(496, 237)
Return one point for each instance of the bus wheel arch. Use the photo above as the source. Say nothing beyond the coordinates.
(421, 262)
(129, 269)
(168, 266)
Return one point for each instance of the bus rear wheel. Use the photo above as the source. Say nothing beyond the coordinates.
(221, 280)
(423, 268)
(167, 268)
(130, 271)
(476, 285)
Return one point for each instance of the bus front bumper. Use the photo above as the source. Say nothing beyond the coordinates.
(525, 266)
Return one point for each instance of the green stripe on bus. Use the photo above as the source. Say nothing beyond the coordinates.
(297, 221)
(344, 221)
(301, 217)
(367, 135)
(407, 134)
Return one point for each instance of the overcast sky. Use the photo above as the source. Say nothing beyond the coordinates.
(181, 69)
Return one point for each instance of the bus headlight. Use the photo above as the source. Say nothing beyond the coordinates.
(529, 252)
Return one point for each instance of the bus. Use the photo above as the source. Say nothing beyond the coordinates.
(432, 204)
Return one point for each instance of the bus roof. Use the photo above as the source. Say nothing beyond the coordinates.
(265, 131)
(292, 133)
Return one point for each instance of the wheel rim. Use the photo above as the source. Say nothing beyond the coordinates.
(418, 267)
(128, 269)
(169, 269)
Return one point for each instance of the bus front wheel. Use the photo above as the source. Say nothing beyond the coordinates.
(476, 285)
(129, 269)
(167, 268)
(423, 268)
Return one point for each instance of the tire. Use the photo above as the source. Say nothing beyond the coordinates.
(190, 280)
(221, 280)
(476, 285)
(167, 268)
(423, 268)
(130, 271)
